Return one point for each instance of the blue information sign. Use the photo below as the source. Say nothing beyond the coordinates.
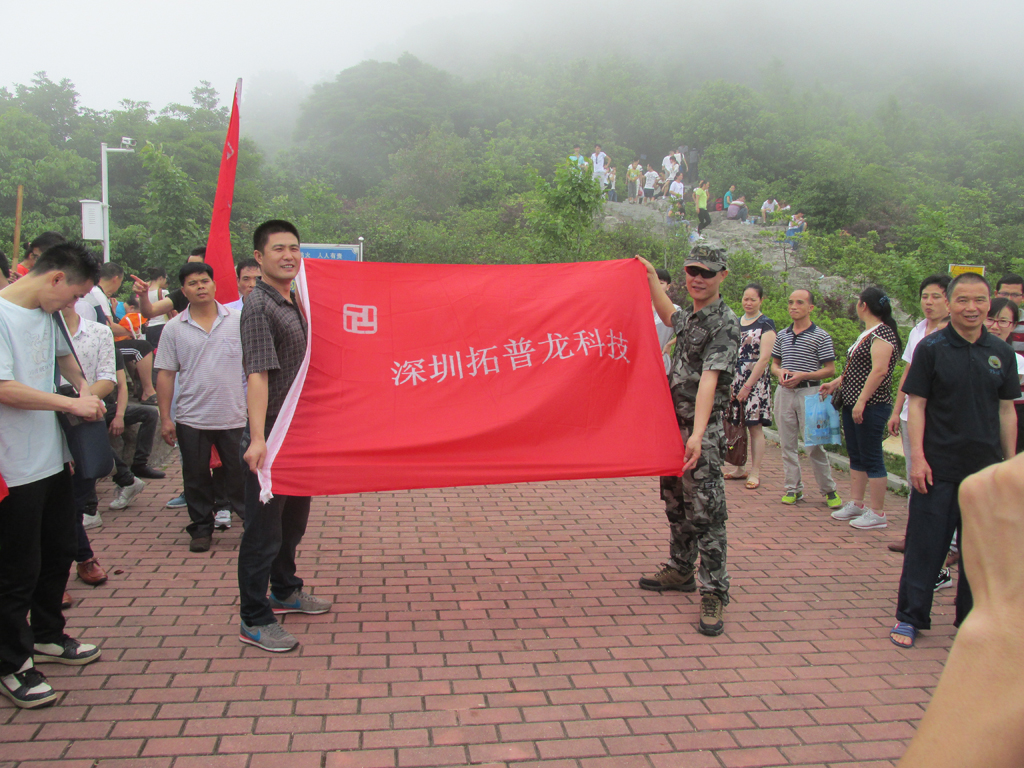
(334, 251)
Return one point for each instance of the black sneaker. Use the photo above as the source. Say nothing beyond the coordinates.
(28, 688)
(945, 579)
(68, 651)
(669, 578)
(711, 622)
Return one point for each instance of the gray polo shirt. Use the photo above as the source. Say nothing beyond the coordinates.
(211, 382)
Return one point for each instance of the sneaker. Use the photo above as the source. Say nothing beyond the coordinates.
(711, 623)
(177, 502)
(148, 472)
(92, 521)
(669, 578)
(848, 511)
(869, 520)
(270, 637)
(127, 494)
(299, 602)
(222, 519)
(27, 687)
(68, 651)
(832, 500)
(945, 579)
(792, 497)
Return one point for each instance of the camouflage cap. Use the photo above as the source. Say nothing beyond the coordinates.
(712, 258)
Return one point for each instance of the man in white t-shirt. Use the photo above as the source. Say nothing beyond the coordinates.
(37, 517)
(768, 207)
(677, 189)
(935, 308)
(599, 164)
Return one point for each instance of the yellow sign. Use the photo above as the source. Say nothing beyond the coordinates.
(959, 269)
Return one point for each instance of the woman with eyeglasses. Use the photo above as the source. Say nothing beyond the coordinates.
(1002, 317)
(865, 388)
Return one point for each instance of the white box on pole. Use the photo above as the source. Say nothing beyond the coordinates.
(92, 219)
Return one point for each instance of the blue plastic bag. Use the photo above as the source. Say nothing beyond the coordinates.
(821, 422)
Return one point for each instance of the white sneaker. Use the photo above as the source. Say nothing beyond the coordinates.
(92, 521)
(126, 495)
(848, 511)
(222, 519)
(870, 519)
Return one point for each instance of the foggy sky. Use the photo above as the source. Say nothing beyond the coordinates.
(158, 52)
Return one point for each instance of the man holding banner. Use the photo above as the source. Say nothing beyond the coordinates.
(274, 331)
(708, 337)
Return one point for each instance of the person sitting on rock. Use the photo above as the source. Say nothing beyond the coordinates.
(737, 209)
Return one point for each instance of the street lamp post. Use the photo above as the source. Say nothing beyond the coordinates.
(127, 145)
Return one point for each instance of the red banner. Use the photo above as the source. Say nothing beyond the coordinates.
(218, 244)
(4, 490)
(423, 376)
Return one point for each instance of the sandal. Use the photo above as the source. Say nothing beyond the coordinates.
(151, 400)
(753, 482)
(904, 630)
(734, 476)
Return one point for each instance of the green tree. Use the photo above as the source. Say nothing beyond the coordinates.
(562, 213)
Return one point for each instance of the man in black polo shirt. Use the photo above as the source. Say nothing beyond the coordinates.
(961, 384)
(274, 334)
(803, 355)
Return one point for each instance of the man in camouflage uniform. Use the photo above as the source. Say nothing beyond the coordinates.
(708, 338)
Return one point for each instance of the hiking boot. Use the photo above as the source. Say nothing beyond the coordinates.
(299, 602)
(870, 520)
(832, 500)
(27, 687)
(68, 651)
(849, 511)
(945, 579)
(270, 637)
(127, 494)
(669, 578)
(792, 497)
(711, 622)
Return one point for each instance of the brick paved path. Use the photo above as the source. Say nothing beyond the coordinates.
(496, 626)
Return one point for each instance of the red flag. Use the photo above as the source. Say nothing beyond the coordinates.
(218, 246)
(420, 376)
(4, 490)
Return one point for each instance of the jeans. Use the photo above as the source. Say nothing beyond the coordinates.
(267, 551)
(37, 547)
(932, 520)
(195, 473)
(864, 440)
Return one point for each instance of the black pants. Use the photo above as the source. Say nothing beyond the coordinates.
(197, 479)
(267, 551)
(703, 219)
(1020, 427)
(153, 335)
(932, 520)
(86, 503)
(37, 547)
(147, 417)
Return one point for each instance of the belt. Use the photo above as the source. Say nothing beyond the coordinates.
(804, 384)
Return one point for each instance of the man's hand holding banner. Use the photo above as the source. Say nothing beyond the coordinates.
(423, 376)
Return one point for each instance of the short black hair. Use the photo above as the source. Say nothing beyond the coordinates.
(1010, 279)
(271, 227)
(199, 250)
(5, 266)
(968, 277)
(246, 264)
(194, 268)
(73, 259)
(760, 290)
(999, 303)
(111, 269)
(664, 275)
(44, 241)
(155, 273)
(938, 279)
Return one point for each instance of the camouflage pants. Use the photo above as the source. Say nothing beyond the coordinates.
(695, 507)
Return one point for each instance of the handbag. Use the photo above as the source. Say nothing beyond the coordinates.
(87, 440)
(735, 435)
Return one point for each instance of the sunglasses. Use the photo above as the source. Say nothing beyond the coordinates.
(695, 271)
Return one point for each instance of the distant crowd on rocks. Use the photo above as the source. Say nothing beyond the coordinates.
(678, 182)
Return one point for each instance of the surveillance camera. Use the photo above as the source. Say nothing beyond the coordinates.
(127, 143)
